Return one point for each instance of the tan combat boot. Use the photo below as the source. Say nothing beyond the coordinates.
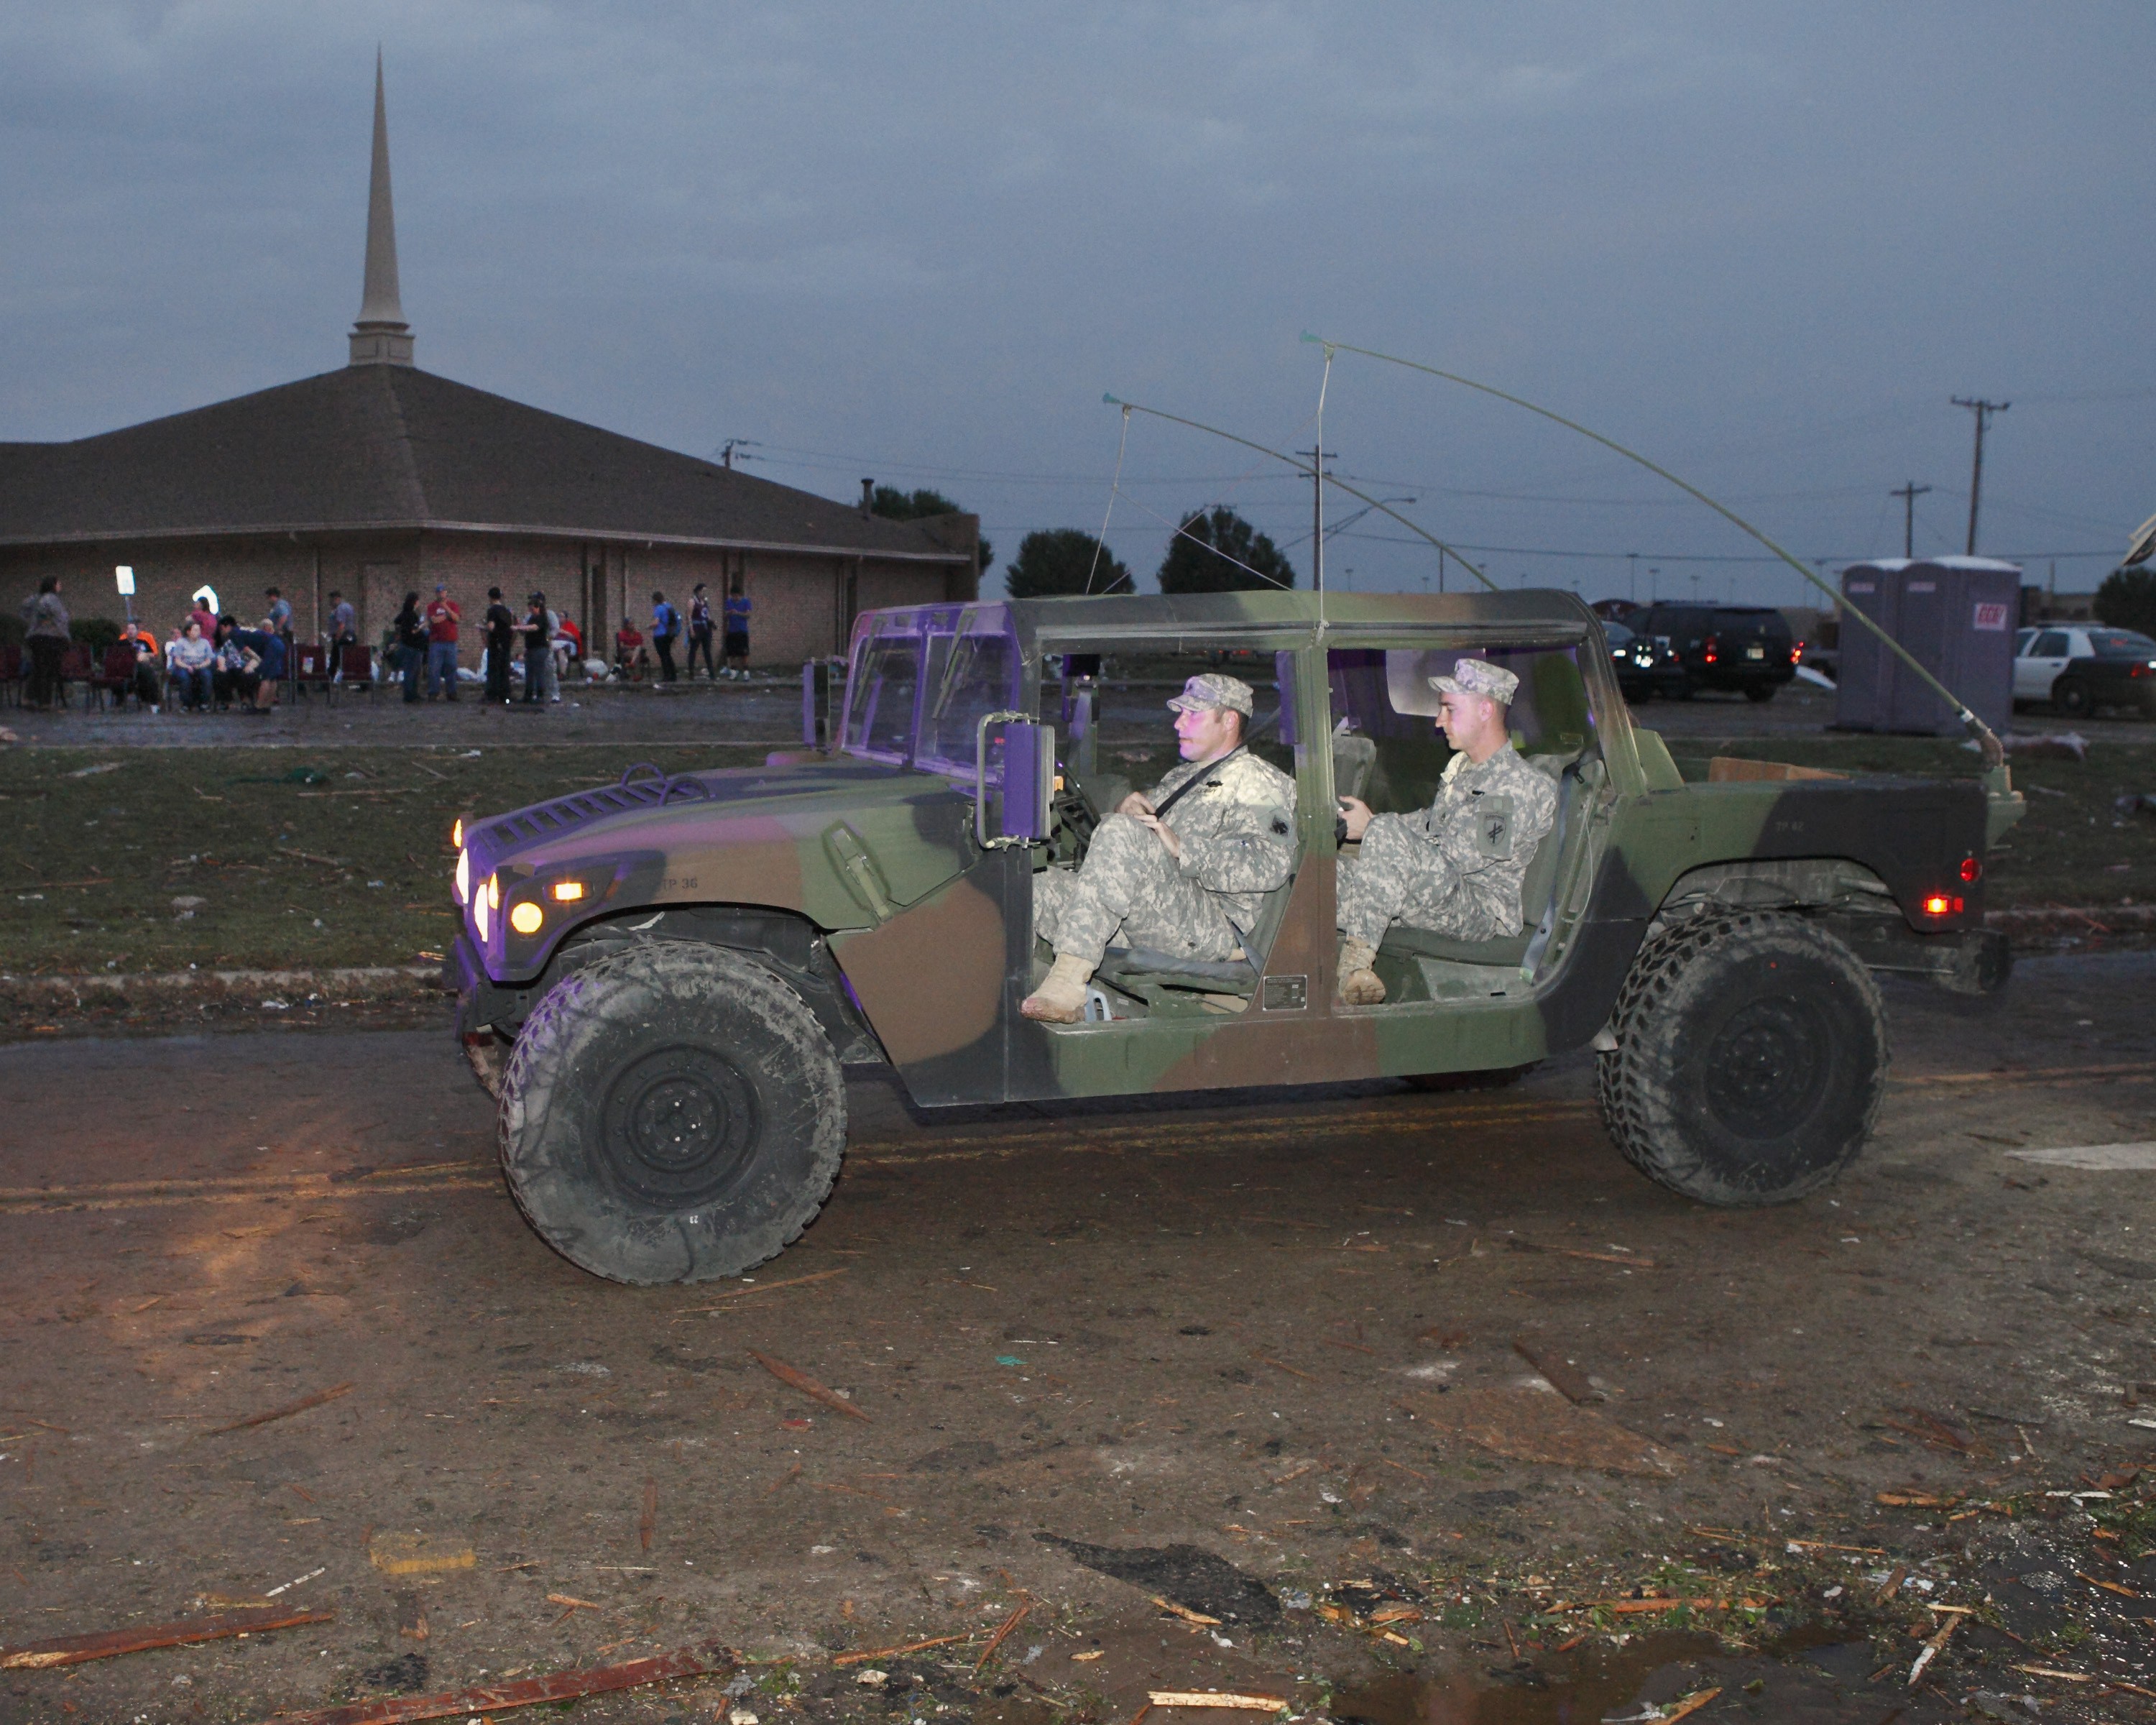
(1060, 999)
(1359, 982)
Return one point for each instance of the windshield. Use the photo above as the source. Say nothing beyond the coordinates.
(879, 691)
(978, 675)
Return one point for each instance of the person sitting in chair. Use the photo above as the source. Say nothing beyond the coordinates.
(1189, 886)
(1455, 867)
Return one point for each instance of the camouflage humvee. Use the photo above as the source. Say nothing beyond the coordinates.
(662, 979)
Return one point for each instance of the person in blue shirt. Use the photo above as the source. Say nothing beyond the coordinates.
(665, 630)
(736, 622)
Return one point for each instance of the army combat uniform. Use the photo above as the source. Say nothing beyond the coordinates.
(1236, 829)
(1455, 867)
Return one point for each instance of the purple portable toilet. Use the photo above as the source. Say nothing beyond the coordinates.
(1956, 615)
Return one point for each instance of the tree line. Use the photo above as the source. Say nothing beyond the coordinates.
(1214, 550)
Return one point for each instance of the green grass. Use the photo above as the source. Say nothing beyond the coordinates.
(2073, 847)
(151, 825)
(371, 887)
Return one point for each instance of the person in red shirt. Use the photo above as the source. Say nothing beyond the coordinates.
(629, 658)
(443, 618)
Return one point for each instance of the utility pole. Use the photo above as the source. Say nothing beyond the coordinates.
(1440, 572)
(1632, 576)
(1909, 493)
(1318, 457)
(1984, 410)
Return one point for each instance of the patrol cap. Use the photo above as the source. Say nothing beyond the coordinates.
(1210, 691)
(1478, 676)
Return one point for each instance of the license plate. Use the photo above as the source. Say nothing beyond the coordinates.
(1755, 652)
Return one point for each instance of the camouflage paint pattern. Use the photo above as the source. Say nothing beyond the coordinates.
(877, 863)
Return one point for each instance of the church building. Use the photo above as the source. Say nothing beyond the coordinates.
(379, 479)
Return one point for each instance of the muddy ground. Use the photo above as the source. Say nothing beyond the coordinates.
(1277, 1329)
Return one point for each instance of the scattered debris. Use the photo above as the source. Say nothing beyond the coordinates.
(795, 1378)
(869, 1653)
(746, 1289)
(1218, 1698)
(1191, 1577)
(285, 1412)
(1565, 1379)
(1630, 1260)
(2101, 1158)
(1932, 1648)
(561, 1686)
(2061, 746)
(1528, 1426)
(107, 1643)
(418, 1554)
(1002, 1634)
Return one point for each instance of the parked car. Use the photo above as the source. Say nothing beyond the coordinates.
(660, 979)
(2081, 668)
(1747, 649)
(1639, 664)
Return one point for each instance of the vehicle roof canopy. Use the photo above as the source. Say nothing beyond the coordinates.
(1537, 609)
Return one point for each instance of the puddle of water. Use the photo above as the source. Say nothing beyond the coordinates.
(1576, 1688)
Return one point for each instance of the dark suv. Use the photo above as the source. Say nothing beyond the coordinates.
(1746, 648)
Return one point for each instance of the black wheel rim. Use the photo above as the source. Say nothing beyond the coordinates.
(1767, 1067)
(677, 1127)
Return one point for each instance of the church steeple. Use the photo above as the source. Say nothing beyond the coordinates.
(380, 336)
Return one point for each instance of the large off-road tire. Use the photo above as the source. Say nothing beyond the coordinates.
(1750, 1061)
(671, 1113)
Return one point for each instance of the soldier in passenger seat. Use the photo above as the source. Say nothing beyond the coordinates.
(1455, 867)
(1188, 886)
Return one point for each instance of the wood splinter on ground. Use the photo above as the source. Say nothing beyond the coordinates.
(1217, 1698)
(107, 1643)
(648, 1523)
(301, 1406)
(867, 1653)
(1566, 1379)
(795, 1378)
(530, 1691)
(1002, 1634)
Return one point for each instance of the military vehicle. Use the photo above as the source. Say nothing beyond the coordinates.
(662, 980)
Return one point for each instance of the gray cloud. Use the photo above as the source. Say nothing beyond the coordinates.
(1766, 243)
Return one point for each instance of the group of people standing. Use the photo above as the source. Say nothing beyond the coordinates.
(213, 659)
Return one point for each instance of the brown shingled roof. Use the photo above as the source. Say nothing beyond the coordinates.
(387, 446)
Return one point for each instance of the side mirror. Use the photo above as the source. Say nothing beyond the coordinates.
(1029, 777)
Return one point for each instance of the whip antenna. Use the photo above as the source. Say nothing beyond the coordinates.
(1464, 561)
(1986, 741)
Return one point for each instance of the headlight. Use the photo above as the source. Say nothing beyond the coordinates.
(457, 833)
(464, 875)
(525, 916)
(480, 917)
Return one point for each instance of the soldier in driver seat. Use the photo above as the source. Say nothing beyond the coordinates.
(1455, 867)
(1181, 870)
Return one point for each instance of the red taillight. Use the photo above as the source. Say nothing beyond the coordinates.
(1972, 870)
(2141, 670)
(1796, 653)
(1938, 904)
(1713, 650)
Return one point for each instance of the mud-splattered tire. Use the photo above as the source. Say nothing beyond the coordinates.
(1750, 1061)
(671, 1114)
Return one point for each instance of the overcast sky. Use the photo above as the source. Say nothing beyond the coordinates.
(1764, 243)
